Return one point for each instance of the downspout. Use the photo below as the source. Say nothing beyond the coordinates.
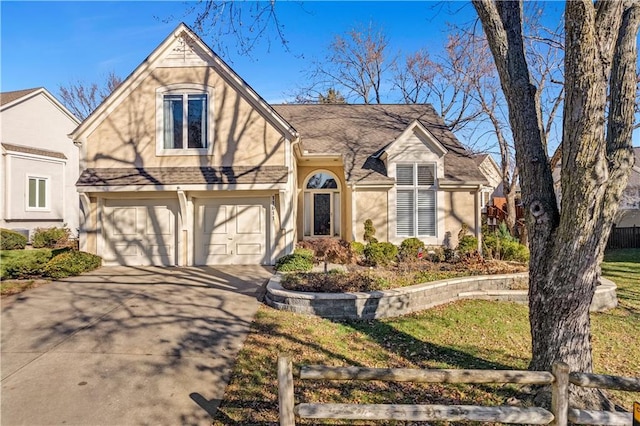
(478, 218)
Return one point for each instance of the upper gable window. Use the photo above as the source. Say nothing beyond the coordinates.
(184, 120)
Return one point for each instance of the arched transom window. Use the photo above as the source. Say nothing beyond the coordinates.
(322, 205)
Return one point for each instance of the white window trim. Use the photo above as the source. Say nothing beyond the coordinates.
(47, 195)
(440, 237)
(414, 189)
(306, 190)
(182, 89)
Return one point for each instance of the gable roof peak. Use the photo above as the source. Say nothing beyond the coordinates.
(208, 57)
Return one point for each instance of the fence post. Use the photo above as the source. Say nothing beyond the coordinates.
(285, 392)
(560, 394)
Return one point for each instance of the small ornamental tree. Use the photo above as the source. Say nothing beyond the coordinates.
(369, 232)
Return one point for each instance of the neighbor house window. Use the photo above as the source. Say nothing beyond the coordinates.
(416, 200)
(37, 193)
(185, 121)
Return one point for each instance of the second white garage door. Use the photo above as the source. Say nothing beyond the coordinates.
(233, 231)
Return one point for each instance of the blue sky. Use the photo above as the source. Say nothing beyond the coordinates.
(51, 43)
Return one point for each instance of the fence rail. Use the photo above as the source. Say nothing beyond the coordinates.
(624, 238)
(559, 379)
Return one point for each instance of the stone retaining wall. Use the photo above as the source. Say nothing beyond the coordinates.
(402, 301)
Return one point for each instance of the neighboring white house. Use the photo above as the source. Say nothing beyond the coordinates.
(628, 214)
(492, 172)
(629, 211)
(40, 163)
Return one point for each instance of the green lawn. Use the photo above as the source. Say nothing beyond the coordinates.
(466, 334)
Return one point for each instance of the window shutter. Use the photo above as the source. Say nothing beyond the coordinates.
(404, 174)
(426, 175)
(426, 213)
(404, 213)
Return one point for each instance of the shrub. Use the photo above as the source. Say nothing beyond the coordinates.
(410, 248)
(436, 254)
(357, 248)
(30, 265)
(304, 252)
(71, 263)
(369, 232)
(11, 240)
(467, 244)
(51, 237)
(294, 262)
(513, 250)
(503, 246)
(329, 250)
(380, 254)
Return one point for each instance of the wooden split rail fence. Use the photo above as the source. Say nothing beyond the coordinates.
(559, 379)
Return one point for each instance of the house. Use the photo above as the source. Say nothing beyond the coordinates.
(628, 214)
(185, 164)
(39, 162)
(493, 174)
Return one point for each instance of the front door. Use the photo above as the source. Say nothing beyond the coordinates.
(322, 213)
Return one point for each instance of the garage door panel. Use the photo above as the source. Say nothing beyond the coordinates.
(216, 219)
(126, 250)
(249, 220)
(159, 221)
(251, 249)
(124, 221)
(139, 232)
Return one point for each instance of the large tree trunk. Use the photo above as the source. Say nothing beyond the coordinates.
(567, 247)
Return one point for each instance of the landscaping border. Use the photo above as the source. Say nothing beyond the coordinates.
(405, 300)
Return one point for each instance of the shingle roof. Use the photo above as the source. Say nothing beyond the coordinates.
(181, 175)
(35, 151)
(6, 97)
(360, 131)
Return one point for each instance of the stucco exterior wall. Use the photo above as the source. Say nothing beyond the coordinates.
(371, 204)
(459, 208)
(38, 122)
(241, 135)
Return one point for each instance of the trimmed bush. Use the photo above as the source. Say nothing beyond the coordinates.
(513, 250)
(294, 262)
(30, 265)
(369, 232)
(50, 237)
(71, 263)
(502, 246)
(304, 252)
(410, 248)
(357, 248)
(380, 254)
(467, 244)
(11, 240)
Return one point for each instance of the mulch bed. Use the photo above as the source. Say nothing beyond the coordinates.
(363, 278)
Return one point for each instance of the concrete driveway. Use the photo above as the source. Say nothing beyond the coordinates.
(125, 346)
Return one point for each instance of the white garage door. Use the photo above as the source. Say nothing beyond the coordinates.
(139, 232)
(232, 231)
